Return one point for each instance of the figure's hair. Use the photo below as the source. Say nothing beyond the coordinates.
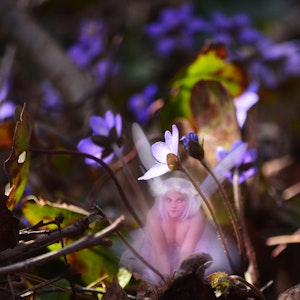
(183, 186)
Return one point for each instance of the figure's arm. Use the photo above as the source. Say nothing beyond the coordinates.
(193, 235)
(154, 226)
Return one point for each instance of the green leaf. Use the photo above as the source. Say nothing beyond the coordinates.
(94, 264)
(18, 163)
(42, 210)
(211, 64)
(124, 277)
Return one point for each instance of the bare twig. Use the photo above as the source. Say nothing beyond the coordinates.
(231, 213)
(104, 166)
(86, 242)
(253, 288)
(284, 239)
(27, 248)
(213, 216)
(248, 245)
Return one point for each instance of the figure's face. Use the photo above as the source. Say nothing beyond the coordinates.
(174, 203)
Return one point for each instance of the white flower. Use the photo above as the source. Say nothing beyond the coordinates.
(160, 150)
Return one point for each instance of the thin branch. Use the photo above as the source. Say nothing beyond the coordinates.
(284, 239)
(104, 166)
(253, 288)
(231, 213)
(85, 242)
(42, 283)
(27, 248)
(248, 245)
(212, 214)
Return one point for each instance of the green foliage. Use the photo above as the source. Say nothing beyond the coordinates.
(42, 210)
(210, 65)
(101, 261)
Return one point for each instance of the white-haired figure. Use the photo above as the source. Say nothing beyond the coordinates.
(176, 227)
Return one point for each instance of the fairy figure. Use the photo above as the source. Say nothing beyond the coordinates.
(176, 225)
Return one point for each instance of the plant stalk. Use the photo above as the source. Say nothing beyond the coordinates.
(214, 218)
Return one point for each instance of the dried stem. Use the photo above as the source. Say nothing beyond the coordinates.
(131, 179)
(232, 215)
(214, 218)
(253, 288)
(136, 254)
(88, 241)
(42, 283)
(247, 242)
(23, 250)
(105, 167)
(133, 251)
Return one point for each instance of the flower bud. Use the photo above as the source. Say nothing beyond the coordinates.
(192, 146)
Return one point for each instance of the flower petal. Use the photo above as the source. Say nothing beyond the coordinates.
(108, 158)
(99, 125)
(160, 150)
(110, 119)
(221, 153)
(118, 124)
(86, 145)
(157, 170)
(175, 140)
(234, 157)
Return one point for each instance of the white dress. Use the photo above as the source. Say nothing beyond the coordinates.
(208, 243)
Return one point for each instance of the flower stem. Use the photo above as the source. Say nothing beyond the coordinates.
(212, 214)
(247, 241)
(254, 289)
(104, 166)
(132, 249)
(140, 197)
(232, 215)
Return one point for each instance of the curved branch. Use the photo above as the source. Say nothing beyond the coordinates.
(85, 242)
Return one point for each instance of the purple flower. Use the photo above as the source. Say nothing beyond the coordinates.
(245, 166)
(161, 151)
(234, 30)
(4, 89)
(276, 62)
(175, 28)
(89, 44)
(51, 97)
(103, 69)
(90, 29)
(106, 134)
(244, 102)
(140, 104)
(84, 52)
(7, 108)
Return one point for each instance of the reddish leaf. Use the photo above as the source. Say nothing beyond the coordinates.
(213, 117)
(211, 65)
